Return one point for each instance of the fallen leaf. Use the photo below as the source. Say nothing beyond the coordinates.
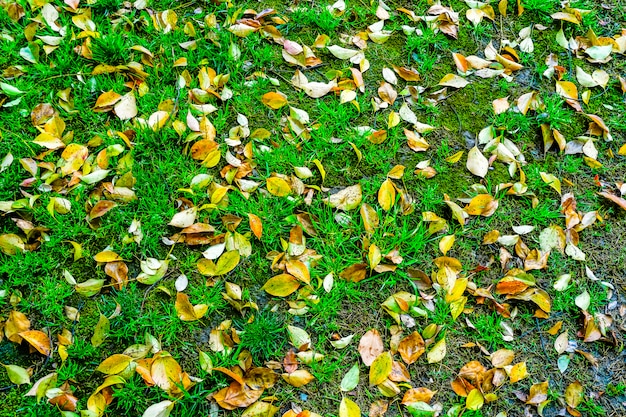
(370, 346)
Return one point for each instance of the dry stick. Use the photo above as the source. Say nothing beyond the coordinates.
(543, 347)
(279, 76)
(62, 75)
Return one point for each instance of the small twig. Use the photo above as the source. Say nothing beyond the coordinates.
(61, 75)
(279, 76)
(313, 67)
(543, 347)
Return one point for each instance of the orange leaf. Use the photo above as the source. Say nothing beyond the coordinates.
(299, 270)
(274, 100)
(411, 348)
(37, 339)
(418, 395)
(256, 225)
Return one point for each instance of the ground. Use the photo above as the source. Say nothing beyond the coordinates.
(58, 62)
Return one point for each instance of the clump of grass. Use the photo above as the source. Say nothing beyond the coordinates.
(265, 336)
(110, 49)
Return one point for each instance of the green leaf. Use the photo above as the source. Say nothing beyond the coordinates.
(17, 374)
(351, 379)
(101, 332)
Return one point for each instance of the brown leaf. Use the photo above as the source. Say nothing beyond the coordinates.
(538, 393)
(378, 408)
(617, 200)
(290, 362)
(501, 358)
(118, 271)
(261, 378)
(411, 348)
(472, 371)
(370, 346)
(65, 402)
(461, 387)
(354, 273)
(417, 395)
(16, 324)
(237, 395)
(100, 209)
(407, 74)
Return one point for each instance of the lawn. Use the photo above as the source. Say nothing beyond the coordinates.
(228, 208)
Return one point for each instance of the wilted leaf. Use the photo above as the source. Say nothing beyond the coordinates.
(370, 346)
(347, 199)
(39, 340)
(477, 164)
(161, 409)
(298, 378)
(411, 348)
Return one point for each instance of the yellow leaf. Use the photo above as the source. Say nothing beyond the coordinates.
(394, 120)
(574, 394)
(374, 256)
(260, 409)
(320, 167)
(474, 400)
(114, 364)
(438, 352)
(552, 181)
(274, 100)
(298, 378)
(186, 311)
(518, 372)
(349, 408)
(107, 256)
(482, 205)
(101, 332)
(453, 80)
(381, 368)
(387, 195)
(369, 217)
(278, 187)
(453, 159)
(446, 243)
(359, 154)
(281, 285)
(227, 262)
(567, 89)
